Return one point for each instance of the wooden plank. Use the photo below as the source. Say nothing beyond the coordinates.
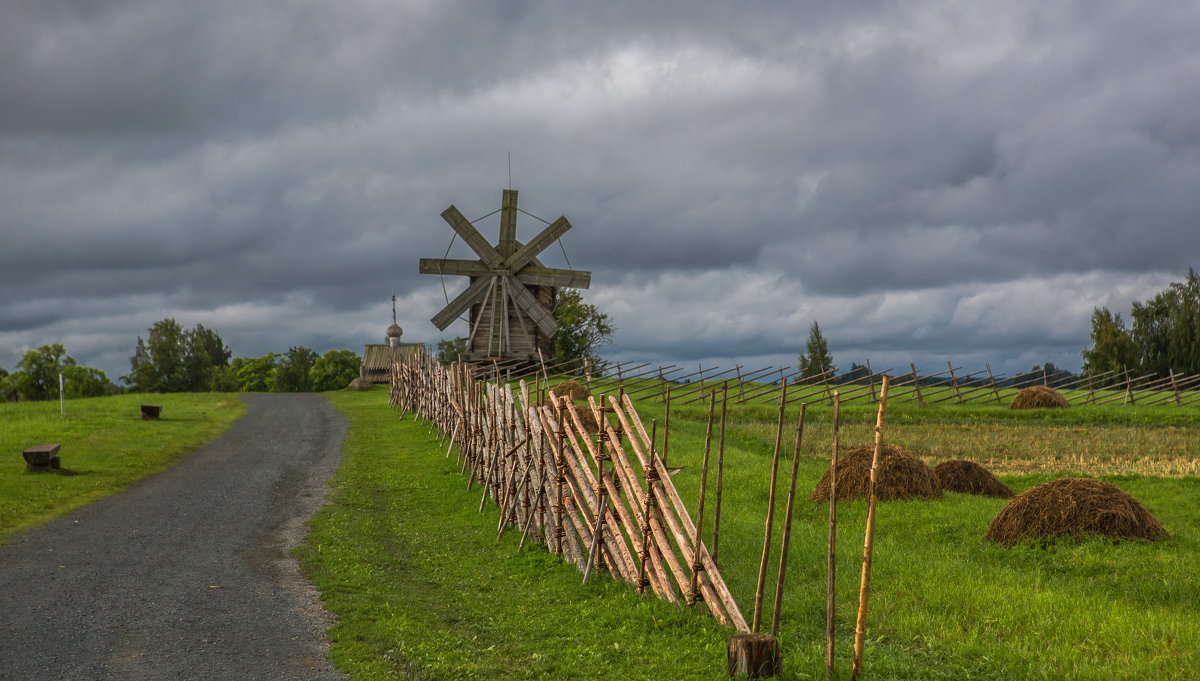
(538, 244)
(474, 239)
(530, 275)
(551, 276)
(533, 309)
(508, 223)
(460, 303)
(454, 267)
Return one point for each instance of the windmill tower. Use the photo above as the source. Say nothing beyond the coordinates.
(511, 296)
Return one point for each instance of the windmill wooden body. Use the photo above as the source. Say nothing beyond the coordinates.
(511, 296)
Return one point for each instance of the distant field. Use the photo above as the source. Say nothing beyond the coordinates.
(1095, 440)
(105, 447)
(413, 571)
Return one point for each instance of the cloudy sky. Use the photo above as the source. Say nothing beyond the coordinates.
(929, 180)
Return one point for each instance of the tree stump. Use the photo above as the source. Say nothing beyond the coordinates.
(150, 412)
(756, 656)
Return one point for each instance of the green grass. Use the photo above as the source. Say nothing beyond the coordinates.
(422, 589)
(105, 447)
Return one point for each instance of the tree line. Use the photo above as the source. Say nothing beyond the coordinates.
(1164, 338)
(174, 359)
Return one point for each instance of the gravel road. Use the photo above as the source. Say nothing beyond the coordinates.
(187, 574)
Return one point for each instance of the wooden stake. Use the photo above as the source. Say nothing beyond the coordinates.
(831, 567)
(666, 428)
(697, 564)
(864, 588)
(592, 550)
(720, 474)
(766, 550)
(787, 524)
(648, 508)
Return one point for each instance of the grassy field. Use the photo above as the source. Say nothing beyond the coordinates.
(105, 447)
(423, 590)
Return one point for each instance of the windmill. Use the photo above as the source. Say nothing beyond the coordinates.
(511, 296)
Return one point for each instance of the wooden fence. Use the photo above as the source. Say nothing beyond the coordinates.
(952, 385)
(600, 497)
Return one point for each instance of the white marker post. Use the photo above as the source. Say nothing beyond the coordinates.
(62, 399)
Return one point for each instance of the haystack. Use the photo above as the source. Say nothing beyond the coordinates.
(1074, 507)
(1039, 397)
(958, 475)
(359, 384)
(571, 389)
(586, 417)
(900, 476)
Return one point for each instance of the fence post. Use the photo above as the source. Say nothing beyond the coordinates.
(871, 379)
(954, 381)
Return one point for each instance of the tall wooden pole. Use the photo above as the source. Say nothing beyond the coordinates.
(864, 588)
(651, 474)
(766, 550)
(787, 524)
(831, 567)
(720, 475)
(666, 428)
(697, 564)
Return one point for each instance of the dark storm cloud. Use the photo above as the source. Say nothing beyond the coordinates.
(906, 173)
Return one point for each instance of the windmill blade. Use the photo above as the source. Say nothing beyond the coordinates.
(547, 276)
(532, 308)
(460, 304)
(537, 244)
(474, 239)
(466, 268)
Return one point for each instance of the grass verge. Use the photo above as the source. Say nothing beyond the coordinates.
(422, 589)
(105, 447)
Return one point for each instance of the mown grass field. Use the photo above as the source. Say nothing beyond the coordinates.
(105, 447)
(422, 588)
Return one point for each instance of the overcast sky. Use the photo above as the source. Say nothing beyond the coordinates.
(930, 181)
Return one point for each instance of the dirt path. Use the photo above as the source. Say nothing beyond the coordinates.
(186, 575)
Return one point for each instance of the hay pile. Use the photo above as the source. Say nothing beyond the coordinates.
(578, 395)
(900, 476)
(359, 384)
(1039, 397)
(587, 418)
(1073, 507)
(958, 475)
(571, 390)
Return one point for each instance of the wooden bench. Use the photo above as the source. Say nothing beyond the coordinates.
(42, 457)
(150, 412)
